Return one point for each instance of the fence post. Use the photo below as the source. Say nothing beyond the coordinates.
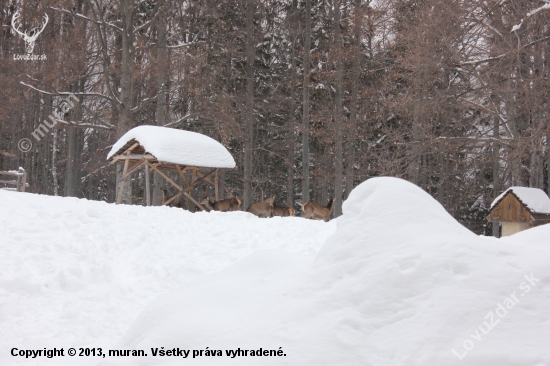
(18, 184)
(23, 181)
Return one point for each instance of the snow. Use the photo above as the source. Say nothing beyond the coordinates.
(178, 146)
(517, 26)
(533, 12)
(533, 198)
(397, 282)
(537, 236)
(76, 273)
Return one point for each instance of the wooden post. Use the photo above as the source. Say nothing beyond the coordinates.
(182, 190)
(147, 187)
(216, 184)
(23, 181)
(195, 202)
(18, 184)
(119, 198)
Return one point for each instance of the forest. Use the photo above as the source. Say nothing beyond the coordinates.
(311, 97)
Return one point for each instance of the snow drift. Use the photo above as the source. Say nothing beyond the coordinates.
(399, 283)
(76, 273)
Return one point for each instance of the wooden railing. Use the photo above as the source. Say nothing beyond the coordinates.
(20, 183)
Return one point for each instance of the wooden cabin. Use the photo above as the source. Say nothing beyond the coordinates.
(520, 208)
(193, 157)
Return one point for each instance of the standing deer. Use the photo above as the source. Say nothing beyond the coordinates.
(317, 212)
(230, 204)
(262, 209)
(283, 211)
(30, 36)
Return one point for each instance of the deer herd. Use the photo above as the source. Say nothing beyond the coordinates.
(268, 208)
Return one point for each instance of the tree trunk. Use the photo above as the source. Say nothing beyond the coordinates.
(249, 104)
(548, 162)
(292, 114)
(162, 77)
(350, 158)
(338, 157)
(496, 168)
(71, 166)
(305, 101)
(126, 88)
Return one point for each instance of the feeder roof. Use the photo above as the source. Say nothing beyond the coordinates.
(169, 145)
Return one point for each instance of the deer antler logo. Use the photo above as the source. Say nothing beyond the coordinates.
(30, 36)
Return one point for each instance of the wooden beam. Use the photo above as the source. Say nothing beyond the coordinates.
(172, 199)
(182, 191)
(216, 184)
(132, 157)
(23, 181)
(18, 184)
(147, 185)
(194, 182)
(119, 198)
(13, 182)
(205, 176)
(202, 176)
(128, 150)
(136, 167)
(16, 174)
(195, 202)
(165, 176)
(182, 174)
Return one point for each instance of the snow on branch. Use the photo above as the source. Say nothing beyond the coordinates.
(545, 6)
(475, 139)
(78, 15)
(530, 14)
(481, 61)
(65, 93)
(178, 121)
(84, 125)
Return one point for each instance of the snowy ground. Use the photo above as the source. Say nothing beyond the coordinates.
(399, 283)
(76, 273)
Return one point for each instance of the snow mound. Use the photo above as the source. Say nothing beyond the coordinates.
(533, 198)
(538, 236)
(76, 273)
(177, 146)
(399, 283)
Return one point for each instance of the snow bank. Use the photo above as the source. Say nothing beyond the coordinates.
(399, 283)
(536, 236)
(76, 273)
(533, 198)
(178, 146)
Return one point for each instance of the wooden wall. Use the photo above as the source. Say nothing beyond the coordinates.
(510, 209)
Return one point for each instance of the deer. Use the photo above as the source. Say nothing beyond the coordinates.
(30, 36)
(262, 209)
(314, 211)
(230, 204)
(283, 211)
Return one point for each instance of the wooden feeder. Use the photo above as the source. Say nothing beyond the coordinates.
(520, 208)
(162, 150)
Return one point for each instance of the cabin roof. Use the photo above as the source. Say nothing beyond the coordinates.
(534, 199)
(169, 145)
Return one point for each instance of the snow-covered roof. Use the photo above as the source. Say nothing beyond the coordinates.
(174, 146)
(533, 198)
